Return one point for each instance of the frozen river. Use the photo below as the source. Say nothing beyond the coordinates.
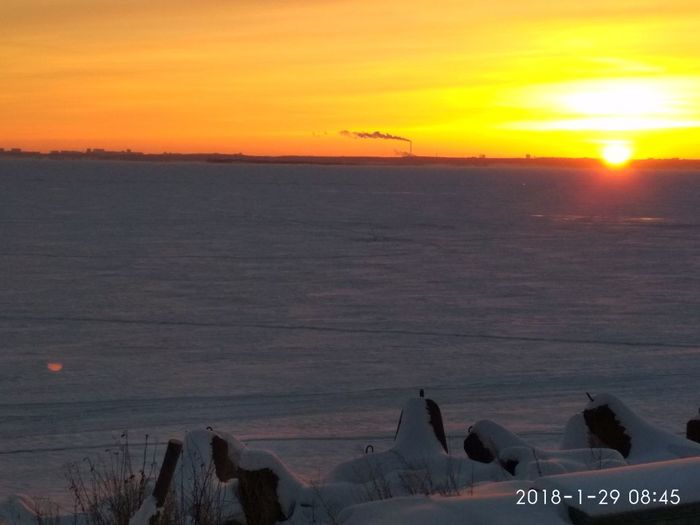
(298, 306)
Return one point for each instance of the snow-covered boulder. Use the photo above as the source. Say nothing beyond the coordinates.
(269, 491)
(490, 442)
(419, 453)
(267, 488)
(417, 463)
(610, 423)
(486, 439)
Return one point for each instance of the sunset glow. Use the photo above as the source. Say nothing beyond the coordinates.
(498, 78)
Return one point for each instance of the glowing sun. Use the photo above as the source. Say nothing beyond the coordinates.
(616, 153)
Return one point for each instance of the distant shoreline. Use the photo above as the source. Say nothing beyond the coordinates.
(413, 160)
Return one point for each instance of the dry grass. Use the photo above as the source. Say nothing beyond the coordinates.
(109, 489)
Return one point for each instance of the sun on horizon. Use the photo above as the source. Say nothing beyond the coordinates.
(616, 154)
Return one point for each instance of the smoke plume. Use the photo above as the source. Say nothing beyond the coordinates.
(372, 135)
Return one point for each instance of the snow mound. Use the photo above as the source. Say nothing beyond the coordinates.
(487, 510)
(659, 478)
(495, 504)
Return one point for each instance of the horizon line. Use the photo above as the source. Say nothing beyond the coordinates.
(129, 154)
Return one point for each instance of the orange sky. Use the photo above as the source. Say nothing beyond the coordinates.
(504, 77)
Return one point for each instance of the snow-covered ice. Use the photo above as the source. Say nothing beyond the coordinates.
(299, 306)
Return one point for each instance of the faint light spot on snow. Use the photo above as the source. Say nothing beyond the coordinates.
(54, 366)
